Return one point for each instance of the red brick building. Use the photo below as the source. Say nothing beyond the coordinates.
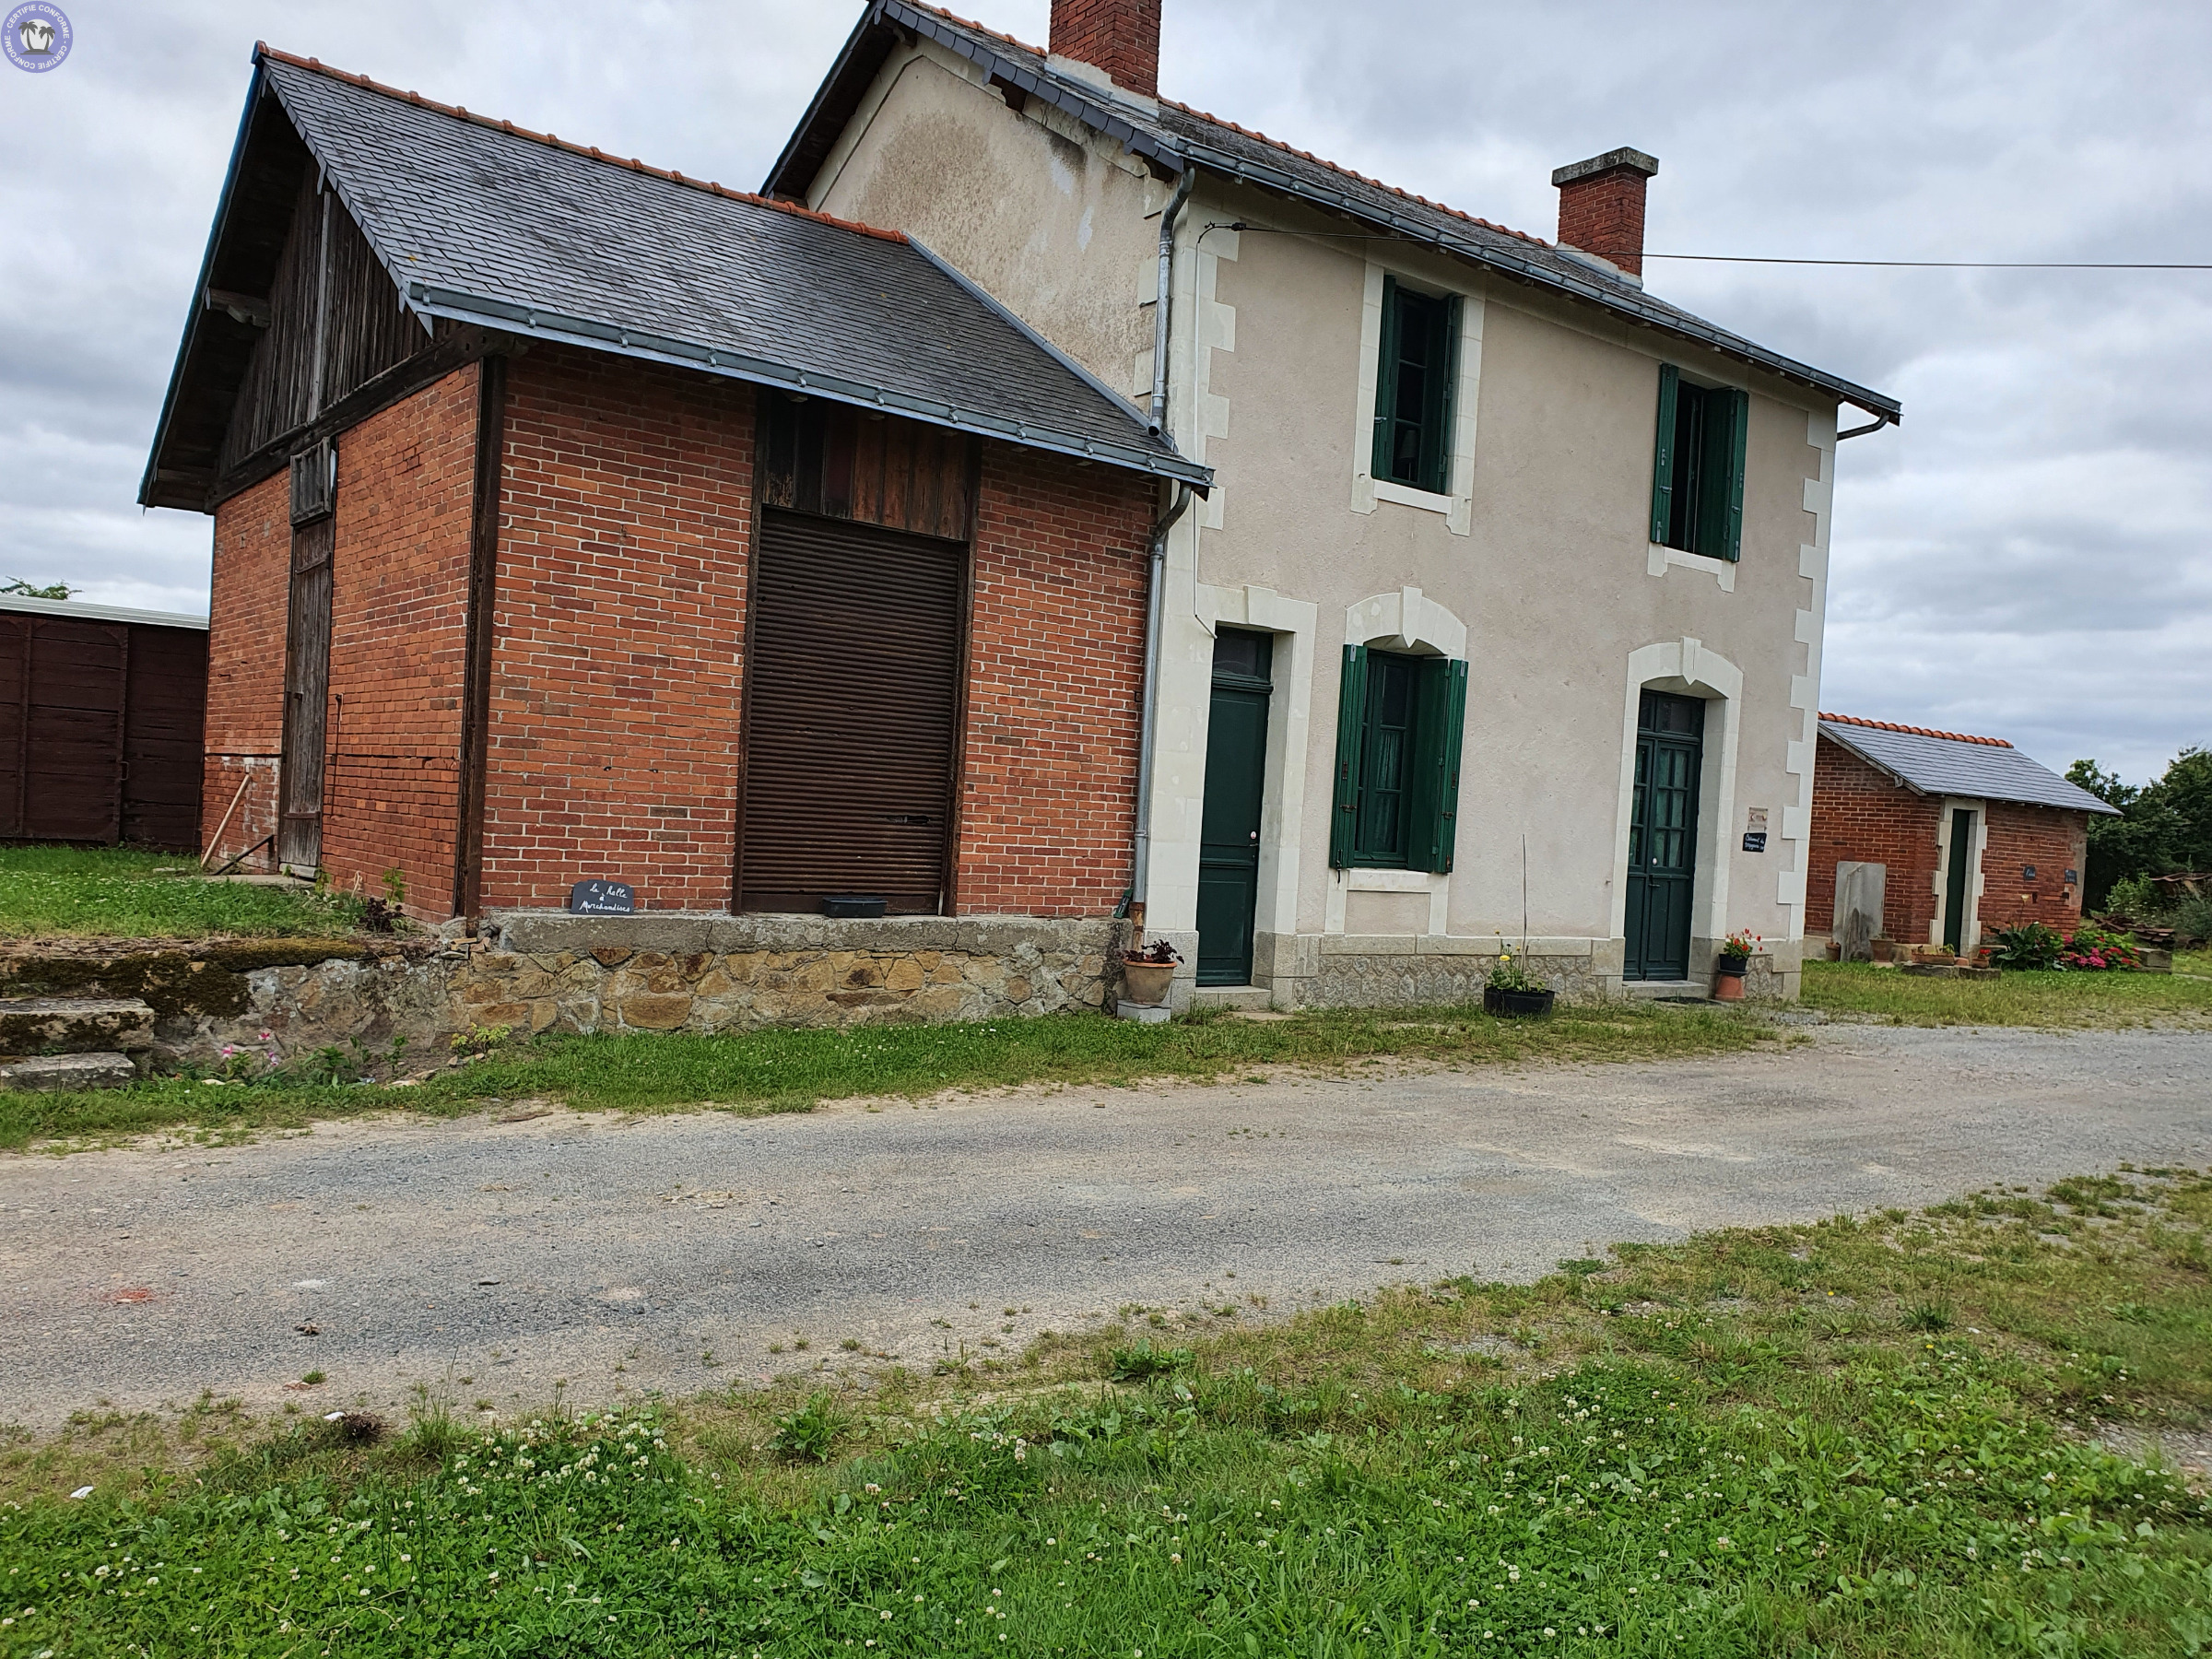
(575, 519)
(1963, 835)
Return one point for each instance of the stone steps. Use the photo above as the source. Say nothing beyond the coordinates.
(54, 1074)
(1231, 996)
(74, 1025)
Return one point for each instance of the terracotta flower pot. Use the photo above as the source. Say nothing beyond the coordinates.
(1146, 982)
(1728, 978)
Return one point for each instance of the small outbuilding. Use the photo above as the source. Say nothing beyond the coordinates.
(99, 724)
(1938, 837)
(577, 519)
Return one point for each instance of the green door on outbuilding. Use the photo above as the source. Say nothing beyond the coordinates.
(1236, 772)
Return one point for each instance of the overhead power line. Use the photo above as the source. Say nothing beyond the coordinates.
(1944, 265)
(1913, 264)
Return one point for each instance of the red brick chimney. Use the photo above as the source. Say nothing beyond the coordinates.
(1121, 37)
(1601, 205)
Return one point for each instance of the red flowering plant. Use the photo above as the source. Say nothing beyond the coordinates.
(1742, 943)
(2096, 949)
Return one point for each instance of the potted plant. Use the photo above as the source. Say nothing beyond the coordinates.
(1145, 974)
(1729, 966)
(1512, 992)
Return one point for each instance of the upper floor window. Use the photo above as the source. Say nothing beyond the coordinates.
(1698, 466)
(1415, 377)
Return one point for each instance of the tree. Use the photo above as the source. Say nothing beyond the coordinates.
(22, 589)
(2164, 826)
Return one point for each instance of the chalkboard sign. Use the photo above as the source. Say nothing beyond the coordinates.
(1755, 841)
(602, 898)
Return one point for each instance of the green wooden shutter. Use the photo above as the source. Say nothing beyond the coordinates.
(1732, 541)
(1721, 491)
(1351, 727)
(1440, 724)
(1443, 386)
(1386, 380)
(1663, 454)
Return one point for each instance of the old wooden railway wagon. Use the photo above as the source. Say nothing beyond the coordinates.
(99, 724)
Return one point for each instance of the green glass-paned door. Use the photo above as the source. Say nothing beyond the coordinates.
(1236, 768)
(1662, 836)
(1954, 886)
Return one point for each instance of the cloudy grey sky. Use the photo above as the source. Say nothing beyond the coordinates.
(2028, 556)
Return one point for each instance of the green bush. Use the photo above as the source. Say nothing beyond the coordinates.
(2029, 945)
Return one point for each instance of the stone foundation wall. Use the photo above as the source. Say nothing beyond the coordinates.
(1352, 971)
(549, 971)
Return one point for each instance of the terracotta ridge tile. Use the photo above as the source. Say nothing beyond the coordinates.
(1890, 726)
(315, 65)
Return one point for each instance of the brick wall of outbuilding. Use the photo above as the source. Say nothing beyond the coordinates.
(1860, 815)
(246, 604)
(2050, 840)
(627, 515)
(1056, 650)
(399, 617)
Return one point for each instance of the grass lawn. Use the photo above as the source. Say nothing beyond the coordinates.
(1860, 991)
(790, 1070)
(49, 893)
(1865, 1437)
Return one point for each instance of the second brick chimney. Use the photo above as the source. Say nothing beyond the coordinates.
(1601, 203)
(1120, 37)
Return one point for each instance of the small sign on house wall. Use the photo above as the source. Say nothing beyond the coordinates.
(602, 898)
(1755, 829)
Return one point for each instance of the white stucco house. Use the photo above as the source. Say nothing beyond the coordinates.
(1506, 608)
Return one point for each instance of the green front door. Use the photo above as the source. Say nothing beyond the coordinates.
(1662, 836)
(1236, 770)
(1954, 886)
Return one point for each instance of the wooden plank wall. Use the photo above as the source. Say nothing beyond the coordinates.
(100, 731)
(369, 329)
(846, 463)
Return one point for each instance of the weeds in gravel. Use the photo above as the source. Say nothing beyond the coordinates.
(1727, 1447)
(791, 1070)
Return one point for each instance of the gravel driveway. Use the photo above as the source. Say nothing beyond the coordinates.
(493, 1258)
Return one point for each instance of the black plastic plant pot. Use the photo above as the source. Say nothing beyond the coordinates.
(864, 905)
(1733, 966)
(1516, 1005)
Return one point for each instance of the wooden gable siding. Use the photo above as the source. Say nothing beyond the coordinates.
(367, 330)
(845, 462)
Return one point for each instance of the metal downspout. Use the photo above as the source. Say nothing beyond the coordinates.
(1156, 595)
(1156, 604)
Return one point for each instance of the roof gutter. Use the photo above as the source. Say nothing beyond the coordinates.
(540, 322)
(1876, 423)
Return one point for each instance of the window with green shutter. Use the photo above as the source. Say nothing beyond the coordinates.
(1400, 722)
(1698, 466)
(1416, 375)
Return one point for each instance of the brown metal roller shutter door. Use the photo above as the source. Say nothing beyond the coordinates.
(852, 703)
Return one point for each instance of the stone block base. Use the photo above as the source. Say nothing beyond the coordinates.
(538, 971)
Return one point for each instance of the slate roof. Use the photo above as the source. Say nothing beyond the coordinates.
(486, 223)
(1177, 137)
(1950, 763)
